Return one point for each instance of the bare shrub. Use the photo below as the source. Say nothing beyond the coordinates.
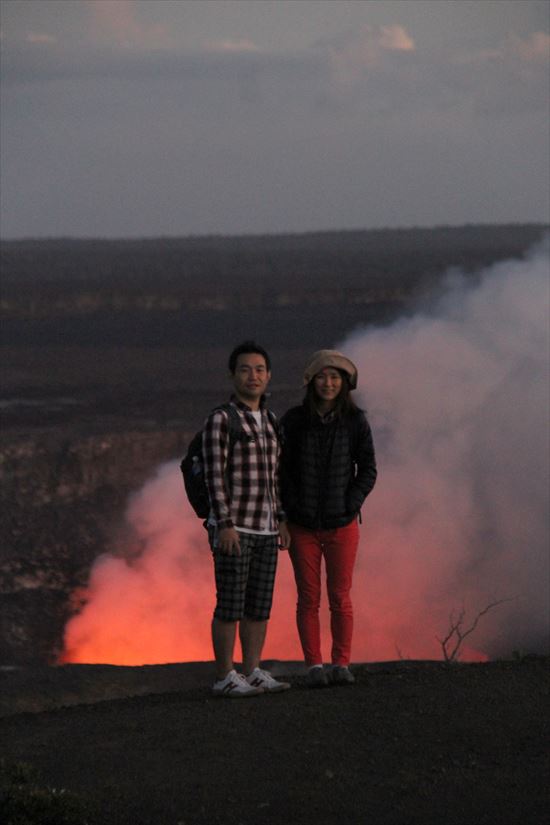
(451, 644)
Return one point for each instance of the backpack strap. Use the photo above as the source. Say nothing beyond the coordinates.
(234, 422)
(235, 432)
(234, 425)
(274, 423)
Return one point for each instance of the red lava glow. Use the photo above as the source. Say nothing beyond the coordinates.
(157, 608)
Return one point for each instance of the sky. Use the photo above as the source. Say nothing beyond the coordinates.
(132, 118)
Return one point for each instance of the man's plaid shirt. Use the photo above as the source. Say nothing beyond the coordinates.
(244, 494)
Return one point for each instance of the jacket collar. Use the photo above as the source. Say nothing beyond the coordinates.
(244, 407)
(318, 419)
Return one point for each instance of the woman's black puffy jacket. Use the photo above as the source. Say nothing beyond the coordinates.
(328, 467)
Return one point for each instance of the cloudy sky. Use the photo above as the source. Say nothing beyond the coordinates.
(174, 117)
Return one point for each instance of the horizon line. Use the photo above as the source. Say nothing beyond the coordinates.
(279, 234)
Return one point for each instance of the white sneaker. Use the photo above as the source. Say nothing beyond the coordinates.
(235, 686)
(264, 680)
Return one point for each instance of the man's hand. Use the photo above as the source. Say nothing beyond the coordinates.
(284, 536)
(229, 542)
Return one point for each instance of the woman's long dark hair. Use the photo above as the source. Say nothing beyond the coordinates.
(345, 405)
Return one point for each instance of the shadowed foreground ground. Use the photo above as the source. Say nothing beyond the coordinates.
(411, 742)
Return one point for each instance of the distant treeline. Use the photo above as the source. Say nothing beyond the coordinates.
(213, 272)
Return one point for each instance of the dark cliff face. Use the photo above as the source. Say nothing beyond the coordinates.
(62, 503)
(57, 470)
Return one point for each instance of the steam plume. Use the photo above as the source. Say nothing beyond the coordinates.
(458, 400)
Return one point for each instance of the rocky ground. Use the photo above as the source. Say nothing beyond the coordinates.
(410, 743)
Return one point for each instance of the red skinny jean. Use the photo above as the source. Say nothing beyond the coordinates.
(338, 547)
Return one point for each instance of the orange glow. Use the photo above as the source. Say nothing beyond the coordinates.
(157, 608)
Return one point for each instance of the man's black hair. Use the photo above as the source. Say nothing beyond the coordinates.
(246, 348)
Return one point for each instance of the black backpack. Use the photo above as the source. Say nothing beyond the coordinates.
(192, 466)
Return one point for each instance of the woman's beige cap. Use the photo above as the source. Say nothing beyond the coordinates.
(330, 358)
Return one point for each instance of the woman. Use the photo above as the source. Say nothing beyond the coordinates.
(328, 469)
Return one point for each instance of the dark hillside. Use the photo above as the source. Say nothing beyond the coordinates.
(98, 330)
(84, 276)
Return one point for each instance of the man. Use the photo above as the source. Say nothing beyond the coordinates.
(245, 524)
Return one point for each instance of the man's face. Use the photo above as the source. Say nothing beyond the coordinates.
(251, 377)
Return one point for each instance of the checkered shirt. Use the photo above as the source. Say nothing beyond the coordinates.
(243, 488)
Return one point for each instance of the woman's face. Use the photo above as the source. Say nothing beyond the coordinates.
(328, 384)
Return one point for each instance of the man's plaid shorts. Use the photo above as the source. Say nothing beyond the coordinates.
(244, 584)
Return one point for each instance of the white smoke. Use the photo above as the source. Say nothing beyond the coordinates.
(459, 402)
